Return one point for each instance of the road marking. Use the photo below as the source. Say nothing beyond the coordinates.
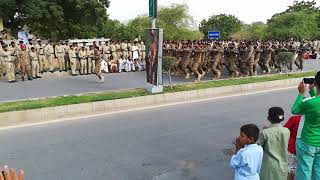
(142, 108)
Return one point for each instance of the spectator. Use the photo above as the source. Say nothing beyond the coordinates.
(274, 141)
(293, 126)
(104, 66)
(248, 158)
(308, 145)
(11, 174)
(122, 64)
(131, 66)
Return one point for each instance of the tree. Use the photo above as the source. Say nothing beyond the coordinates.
(60, 18)
(175, 20)
(299, 25)
(226, 24)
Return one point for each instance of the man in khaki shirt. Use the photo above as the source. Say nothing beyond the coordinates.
(73, 60)
(49, 51)
(83, 61)
(43, 64)
(91, 61)
(59, 52)
(33, 55)
(113, 50)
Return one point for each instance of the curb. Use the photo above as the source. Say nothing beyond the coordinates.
(77, 110)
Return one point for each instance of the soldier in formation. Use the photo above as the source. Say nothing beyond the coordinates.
(240, 58)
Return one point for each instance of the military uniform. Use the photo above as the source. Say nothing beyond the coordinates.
(197, 62)
(66, 57)
(216, 54)
(301, 57)
(106, 52)
(14, 55)
(119, 52)
(230, 61)
(125, 52)
(24, 64)
(96, 57)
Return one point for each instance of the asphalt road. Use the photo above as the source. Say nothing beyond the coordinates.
(69, 85)
(181, 142)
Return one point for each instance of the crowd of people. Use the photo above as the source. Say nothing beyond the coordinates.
(241, 58)
(31, 59)
(284, 152)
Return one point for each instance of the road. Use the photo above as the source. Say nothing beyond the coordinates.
(81, 84)
(180, 142)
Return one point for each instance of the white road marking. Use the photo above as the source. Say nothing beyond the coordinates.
(141, 108)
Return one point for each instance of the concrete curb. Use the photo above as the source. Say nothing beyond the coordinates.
(78, 110)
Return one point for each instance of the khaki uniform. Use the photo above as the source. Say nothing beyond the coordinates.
(106, 52)
(250, 60)
(125, 52)
(91, 62)
(7, 59)
(43, 63)
(216, 57)
(34, 64)
(49, 52)
(266, 58)
(119, 52)
(113, 50)
(129, 50)
(83, 62)
(197, 62)
(143, 51)
(2, 64)
(59, 52)
(14, 55)
(73, 61)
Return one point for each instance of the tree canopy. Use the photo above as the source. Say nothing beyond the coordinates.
(226, 24)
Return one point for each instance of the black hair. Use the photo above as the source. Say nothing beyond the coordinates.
(317, 79)
(275, 115)
(251, 130)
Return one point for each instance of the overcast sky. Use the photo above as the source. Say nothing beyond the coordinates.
(247, 11)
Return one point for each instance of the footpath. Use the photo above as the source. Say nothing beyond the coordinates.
(86, 105)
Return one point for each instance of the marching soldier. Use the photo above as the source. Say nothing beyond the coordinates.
(250, 59)
(197, 62)
(34, 63)
(7, 59)
(49, 52)
(216, 57)
(301, 56)
(231, 59)
(59, 52)
(96, 57)
(266, 58)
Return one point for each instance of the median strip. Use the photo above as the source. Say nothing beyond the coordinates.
(113, 95)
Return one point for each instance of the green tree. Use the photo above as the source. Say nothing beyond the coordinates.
(59, 18)
(175, 20)
(299, 25)
(226, 24)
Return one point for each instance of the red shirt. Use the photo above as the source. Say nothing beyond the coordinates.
(293, 125)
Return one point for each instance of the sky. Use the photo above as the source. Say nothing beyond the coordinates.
(247, 11)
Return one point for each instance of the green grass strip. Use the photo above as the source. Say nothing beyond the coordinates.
(94, 97)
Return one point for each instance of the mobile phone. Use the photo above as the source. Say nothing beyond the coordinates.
(308, 80)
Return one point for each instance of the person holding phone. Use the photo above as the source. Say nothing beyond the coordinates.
(308, 145)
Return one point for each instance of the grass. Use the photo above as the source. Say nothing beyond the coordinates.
(94, 97)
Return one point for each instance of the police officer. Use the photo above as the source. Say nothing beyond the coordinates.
(34, 63)
(7, 59)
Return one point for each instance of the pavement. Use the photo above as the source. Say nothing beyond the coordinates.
(68, 85)
(182, 142)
